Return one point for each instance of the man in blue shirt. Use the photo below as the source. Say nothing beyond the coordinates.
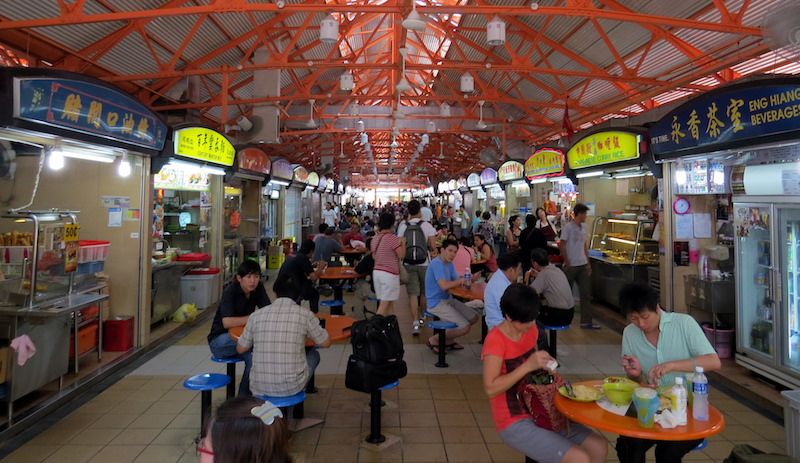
(510, 267)
(440, 277)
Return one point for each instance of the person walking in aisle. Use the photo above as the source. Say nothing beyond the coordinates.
(575, 251)
(386, 250)
(418, 238)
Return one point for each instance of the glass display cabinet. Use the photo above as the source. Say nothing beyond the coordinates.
(621, 250)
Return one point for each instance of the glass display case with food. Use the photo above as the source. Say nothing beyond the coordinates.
(621, 250)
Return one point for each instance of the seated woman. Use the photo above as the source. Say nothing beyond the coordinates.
(464, 256)
(486, 251)
(509, 354)
(245, 430)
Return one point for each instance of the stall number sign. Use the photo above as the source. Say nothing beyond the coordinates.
(603, 148)
(205, 145)
(71, 247)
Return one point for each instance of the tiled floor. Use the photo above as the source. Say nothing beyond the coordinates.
(439, 415)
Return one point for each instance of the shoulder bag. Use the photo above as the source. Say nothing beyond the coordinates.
(539, 400)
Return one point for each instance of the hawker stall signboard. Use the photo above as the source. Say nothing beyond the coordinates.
(88, 108)
(204, 145)
(509, 171)
(461, 182)
(323, 183)
(179, 179)
(765, 109)
(313, 179)
(488, 176)
(604, 148)
(282, 169)
(473, 180)
(300, 174)
(544, 163)
(254, 160)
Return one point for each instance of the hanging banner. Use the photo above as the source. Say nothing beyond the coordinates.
(282, 169)
(544, 163)
(603, 148)
(473, 180)
(488, 176)
(88, 108)
(204, 145)
(511, 170)
(254, 160)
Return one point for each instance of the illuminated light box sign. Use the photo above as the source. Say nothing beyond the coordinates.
(204, 145)
(473, 180)
(604, 148)
(254, 160)
(313, 179)
(544, 163)
(178, 179)
(88, 108)
(488, 176)
(323, 182)
(729, 116)
(461, 182)
(282, 169)
(509, 171)
(301, 174)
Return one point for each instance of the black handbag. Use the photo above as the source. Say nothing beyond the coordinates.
(367, 377)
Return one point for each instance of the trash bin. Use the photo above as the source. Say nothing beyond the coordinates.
(791, 421)
(722, 339)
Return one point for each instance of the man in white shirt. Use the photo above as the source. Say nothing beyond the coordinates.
(575, 251)
(329, 216)
(426, 214)
(416, 271)
(496, 219)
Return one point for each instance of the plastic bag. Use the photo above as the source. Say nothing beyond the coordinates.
(185, 313)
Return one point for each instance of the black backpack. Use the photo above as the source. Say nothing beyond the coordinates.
(416, 244)
(377, 339)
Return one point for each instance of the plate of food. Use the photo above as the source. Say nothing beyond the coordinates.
(582, 393)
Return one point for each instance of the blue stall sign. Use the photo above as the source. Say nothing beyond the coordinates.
(88, 108)
(727, 117)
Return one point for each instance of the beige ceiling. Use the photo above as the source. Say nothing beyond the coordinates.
(211, 60)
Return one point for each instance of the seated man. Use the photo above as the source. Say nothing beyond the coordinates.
(509, 267)
(439, 278)
(656, 347)
(354, 234)
(277, 335)
(326, 245)
(239, 299)
(305, 273)
(551, 284)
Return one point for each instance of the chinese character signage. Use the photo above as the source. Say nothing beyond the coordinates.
(473, 180)
(544, 163)
(205, 145)
(282, 169)
(511, 170)
(88, 108)
(178, 179)
(301, 174)
(603, 148)
(461, 182)
(488, 176)
(751, 111)
(254, 160)
(313, 179)
(323, 182)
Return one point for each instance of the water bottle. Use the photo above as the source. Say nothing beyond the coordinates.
(700, 393)
(467, 278)
(679, 401)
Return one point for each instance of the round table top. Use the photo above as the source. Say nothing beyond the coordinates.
(337, 327)
(590, 414)
(339, 273)
(350, 250)
(475, 291)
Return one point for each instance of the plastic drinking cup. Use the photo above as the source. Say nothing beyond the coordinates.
(646, 402)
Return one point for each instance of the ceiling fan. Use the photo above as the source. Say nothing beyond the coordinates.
(311, 123)
(482, 126)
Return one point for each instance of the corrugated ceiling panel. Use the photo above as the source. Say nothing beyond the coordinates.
(597, 92)
(32, 9)
(660, 57)
(131, 56)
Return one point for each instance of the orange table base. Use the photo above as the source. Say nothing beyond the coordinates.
(590, 414)
(336, 326)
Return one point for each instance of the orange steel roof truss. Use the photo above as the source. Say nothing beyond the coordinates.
(601, 58)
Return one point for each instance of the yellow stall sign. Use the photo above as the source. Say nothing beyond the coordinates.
(604, 148)
(545, 162)
(204, 145)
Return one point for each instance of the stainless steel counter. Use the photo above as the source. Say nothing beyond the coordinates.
(55, 307)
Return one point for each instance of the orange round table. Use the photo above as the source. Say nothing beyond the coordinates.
(478, 261)
(351, 250)
(590, 414)
(339, 274)
(475, 291)
(337, 326)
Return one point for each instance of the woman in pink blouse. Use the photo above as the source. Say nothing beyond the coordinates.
(386, 249)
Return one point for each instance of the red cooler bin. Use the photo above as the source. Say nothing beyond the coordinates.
(118, 334)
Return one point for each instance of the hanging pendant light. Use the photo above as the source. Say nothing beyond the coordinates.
(496, 32)
(444, 110)
(352, 108)
(467, 83)
(414, 21)
(346, 81)
(329, 30)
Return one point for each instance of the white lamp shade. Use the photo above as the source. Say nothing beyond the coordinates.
(496, 32)
(467, 83)
(425, 139)
(329, 30)
(352, 108)
(360, 126)
(414, 21)
(431, 127)
(346, 79)
(444, 110)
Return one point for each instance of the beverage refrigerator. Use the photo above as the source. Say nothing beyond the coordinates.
(768, 287)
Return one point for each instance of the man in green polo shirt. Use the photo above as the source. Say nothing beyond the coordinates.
(657, 346)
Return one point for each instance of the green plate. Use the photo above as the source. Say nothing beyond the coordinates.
(563, 391)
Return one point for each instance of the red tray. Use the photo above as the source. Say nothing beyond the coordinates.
(203, 271)
(194, 256)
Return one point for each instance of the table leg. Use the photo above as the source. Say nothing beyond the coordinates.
(484, 328)
(375, 436)
(339, 295)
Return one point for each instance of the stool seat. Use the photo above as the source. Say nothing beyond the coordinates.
(425, 312)
(390, 385)
(441, 325)
(554, 329)
(206, 382)
(701, 445)
(231, 371)
(373, 299)
(332, 303)
(288, 401)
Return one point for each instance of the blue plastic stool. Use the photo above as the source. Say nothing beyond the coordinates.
(285, 402)
(205, 383)
(439, 327)
(553, 348)
(701, 445)
(231, 371)
(375, 404)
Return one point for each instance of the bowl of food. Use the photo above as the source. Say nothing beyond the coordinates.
(620, 379)
(619, 393)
